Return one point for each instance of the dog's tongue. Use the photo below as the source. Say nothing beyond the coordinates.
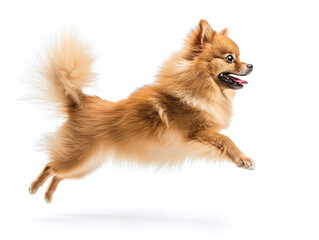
(238, 80)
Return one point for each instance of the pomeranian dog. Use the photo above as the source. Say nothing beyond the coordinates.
(178, 117)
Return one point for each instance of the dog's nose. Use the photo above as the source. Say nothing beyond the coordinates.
(250, 67)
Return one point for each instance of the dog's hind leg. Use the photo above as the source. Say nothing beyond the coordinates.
(52, 187)
(38, 182)
(72, 155)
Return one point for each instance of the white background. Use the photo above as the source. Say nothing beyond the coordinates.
(275, 122)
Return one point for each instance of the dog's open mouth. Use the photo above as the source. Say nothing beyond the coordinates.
(230, 81)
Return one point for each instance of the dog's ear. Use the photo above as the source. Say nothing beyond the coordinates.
(197, 39)
(205, 32)
(202, 34)
(224, 32)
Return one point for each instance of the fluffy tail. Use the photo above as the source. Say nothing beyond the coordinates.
(66, 70)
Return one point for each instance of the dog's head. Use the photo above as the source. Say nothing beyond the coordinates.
(218, 55)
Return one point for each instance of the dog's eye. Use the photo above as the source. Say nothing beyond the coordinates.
(230, 59)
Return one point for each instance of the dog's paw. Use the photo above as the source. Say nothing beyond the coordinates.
(32, 190)
(245, 162)
(48, 197)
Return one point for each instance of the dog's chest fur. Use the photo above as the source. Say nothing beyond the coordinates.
(190, 110)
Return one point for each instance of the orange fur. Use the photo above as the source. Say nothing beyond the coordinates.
(177, 117)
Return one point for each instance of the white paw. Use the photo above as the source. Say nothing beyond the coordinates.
(245, 162)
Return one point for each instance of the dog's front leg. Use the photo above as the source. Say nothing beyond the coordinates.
(224, 147)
